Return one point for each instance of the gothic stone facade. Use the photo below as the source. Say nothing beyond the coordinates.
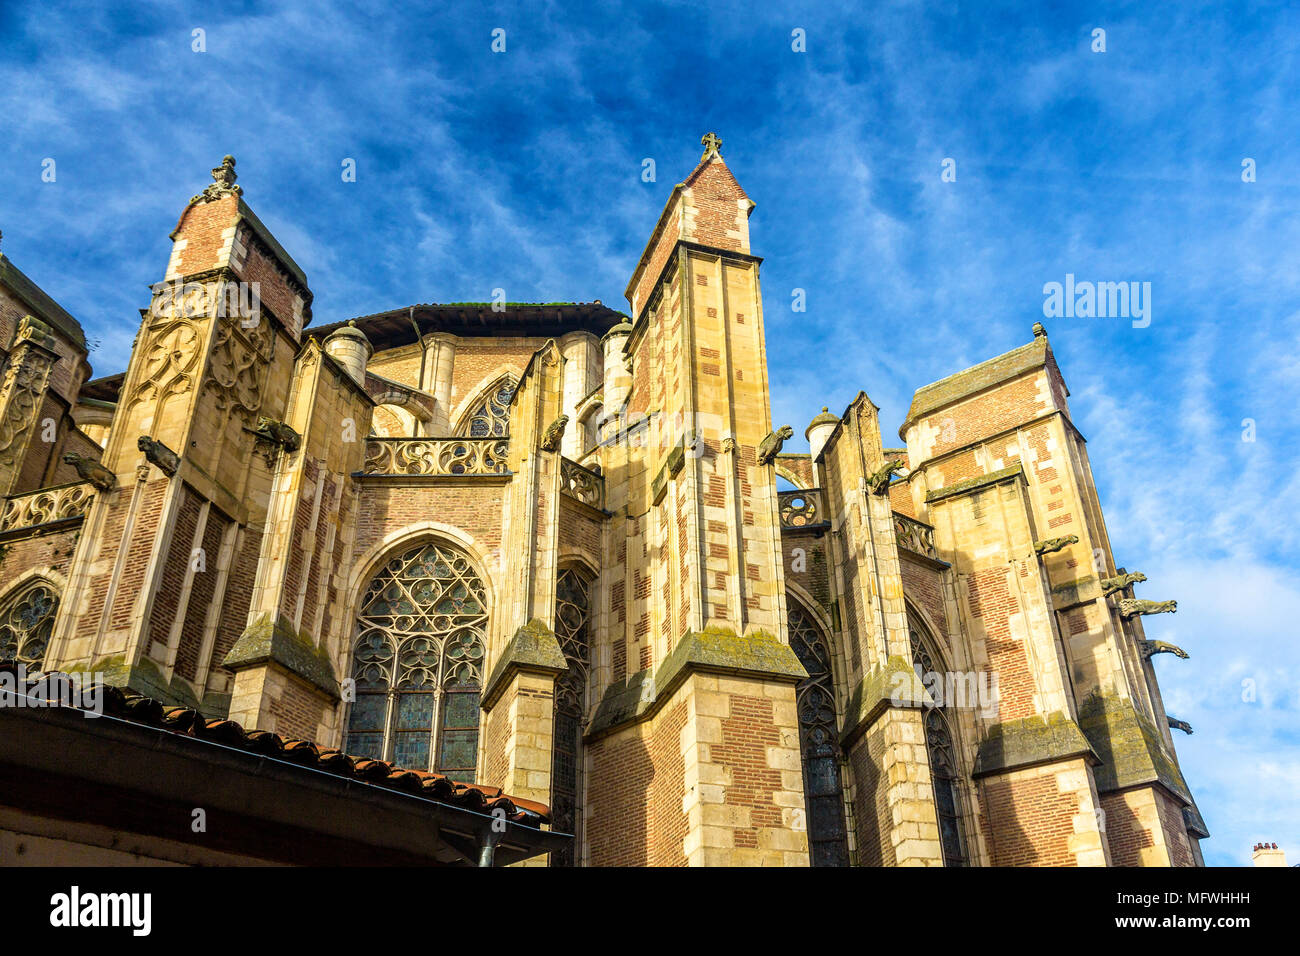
(543, 547)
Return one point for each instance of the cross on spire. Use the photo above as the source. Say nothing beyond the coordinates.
(712, 145)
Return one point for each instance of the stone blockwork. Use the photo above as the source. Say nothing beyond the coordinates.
(542, 547)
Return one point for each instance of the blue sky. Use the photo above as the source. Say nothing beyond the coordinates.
(522, 170)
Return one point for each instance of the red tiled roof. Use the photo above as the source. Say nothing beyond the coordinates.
(139, 709)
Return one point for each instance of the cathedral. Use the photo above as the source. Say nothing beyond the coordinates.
(493, 583)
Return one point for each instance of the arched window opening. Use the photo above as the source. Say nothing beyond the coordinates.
(417, 663)
(572, 628)
(388, 421)
(490, 418)
(26, 622)
(944, 772)
(818, 741)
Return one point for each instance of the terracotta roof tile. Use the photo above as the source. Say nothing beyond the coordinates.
(139, 709)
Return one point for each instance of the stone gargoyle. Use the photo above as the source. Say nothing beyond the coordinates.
(1131, 607)
(91, 471)
(1052, 545)
(1148, 648)
(1118, 583)
(158, 454)
(1176, 724)
(276, 432)
(554, 434)
(770, 446)
(878, 481)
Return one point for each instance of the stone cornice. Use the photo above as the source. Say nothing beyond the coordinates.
(276, 641)
(534, 649)
(1029, 742)
(758, 654)
(975, 484)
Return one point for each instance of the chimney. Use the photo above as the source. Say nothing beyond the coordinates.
(1267, 854)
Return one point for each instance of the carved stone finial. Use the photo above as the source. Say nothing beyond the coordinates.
(32, 329)
(1129, 607)
(1176, 724)
(91, 471)
(770, 446)
(712, 145)
(223, 183)
(1039, 331)
(554, 434)
(1148, 648)
(1120, 582)
(1052, 545)
(166, 460)
(878, 481)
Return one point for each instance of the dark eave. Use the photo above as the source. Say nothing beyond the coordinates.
(393, 329)
(103, 389)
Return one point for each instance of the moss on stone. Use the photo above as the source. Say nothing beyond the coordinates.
(1027, 741)
(276, 640)
(146, 677)
(892, 684)
(722, 650)
(970, 484)
(1131, 749)
(716, 650)
(533, 648)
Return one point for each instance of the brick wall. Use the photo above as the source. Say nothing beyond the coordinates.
(44, 553)
(297, 710)
(923, 586)
(137, 552)
(474, 507)
(635, 792)
(871, 814)
(202, 590)
(176, 562)
(1028, 815)
(809, 553)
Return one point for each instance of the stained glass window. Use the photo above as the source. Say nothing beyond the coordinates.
(944, 773)
(572, 617)
(491, 417)
(417, 662)
(818, 741)
(26, 620)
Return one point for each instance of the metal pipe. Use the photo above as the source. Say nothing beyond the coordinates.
(488, 850)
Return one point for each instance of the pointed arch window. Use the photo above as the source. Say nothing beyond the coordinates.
(944, 768)
(26, 622)
(573, 588)
(490, 418)
(818, 741)
(417, 662)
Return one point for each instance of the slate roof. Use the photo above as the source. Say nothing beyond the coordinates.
(137, 708)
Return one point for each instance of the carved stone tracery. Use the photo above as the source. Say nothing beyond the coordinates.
(46, 505)
(25, 381)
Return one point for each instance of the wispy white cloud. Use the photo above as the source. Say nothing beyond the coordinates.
(522, 171)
